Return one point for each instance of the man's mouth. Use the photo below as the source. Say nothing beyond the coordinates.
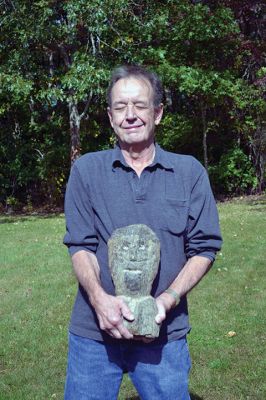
(132, 127)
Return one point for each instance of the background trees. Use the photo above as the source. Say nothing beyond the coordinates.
(55, 61)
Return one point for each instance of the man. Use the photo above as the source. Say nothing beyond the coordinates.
(136, 182)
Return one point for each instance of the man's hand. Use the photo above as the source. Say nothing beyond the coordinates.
(164, 303)
(190, 275)
(111, 311)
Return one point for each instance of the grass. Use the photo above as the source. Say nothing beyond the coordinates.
(37, 290)
(232, 298)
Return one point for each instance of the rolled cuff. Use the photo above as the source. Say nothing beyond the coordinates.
(74, 249)
(207, 254)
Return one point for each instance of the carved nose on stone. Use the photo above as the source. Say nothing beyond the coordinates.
(133, 254)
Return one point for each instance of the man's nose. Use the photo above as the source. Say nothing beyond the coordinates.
(130, 112)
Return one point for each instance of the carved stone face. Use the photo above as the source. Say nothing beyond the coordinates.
(134, 254)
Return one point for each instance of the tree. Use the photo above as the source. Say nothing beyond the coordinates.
(56, 59)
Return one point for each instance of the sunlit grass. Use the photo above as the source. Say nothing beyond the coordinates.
(37, 290)
(232, 298)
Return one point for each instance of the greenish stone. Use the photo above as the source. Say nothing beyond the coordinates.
(134, 256)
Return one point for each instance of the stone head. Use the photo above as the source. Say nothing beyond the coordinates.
(134, 255)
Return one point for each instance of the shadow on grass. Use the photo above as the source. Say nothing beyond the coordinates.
(133, 398)
(192, 397)
(195, 397)
(257, 204)
(10, 219)
(260, 210)
(259, 199)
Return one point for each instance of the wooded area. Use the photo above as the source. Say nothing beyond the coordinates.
(55, 62)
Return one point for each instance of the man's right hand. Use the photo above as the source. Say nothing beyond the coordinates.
(111, 311)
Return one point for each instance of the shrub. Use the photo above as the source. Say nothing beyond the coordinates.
(234, 174)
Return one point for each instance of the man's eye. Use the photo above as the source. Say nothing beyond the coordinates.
(141, 107)
(120, 108)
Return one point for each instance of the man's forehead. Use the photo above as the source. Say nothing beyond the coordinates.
(135, 86)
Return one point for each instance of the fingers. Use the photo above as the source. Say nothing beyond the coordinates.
(111, 318)
(161, 315)
(127, 314)
(114, 333)
(124, 332)
(119, 331)
(164, 303)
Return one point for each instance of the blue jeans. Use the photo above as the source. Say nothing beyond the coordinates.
(95, 369)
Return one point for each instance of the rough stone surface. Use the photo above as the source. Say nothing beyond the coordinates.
(134, 256)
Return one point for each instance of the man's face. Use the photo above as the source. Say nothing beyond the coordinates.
(132, 114)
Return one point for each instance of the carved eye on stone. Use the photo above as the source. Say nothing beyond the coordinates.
(142, 245)
(125, 245)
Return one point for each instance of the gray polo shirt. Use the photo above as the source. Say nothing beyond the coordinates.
(172, 196)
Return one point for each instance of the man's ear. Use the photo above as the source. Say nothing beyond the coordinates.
(158, 113)
(109, 112)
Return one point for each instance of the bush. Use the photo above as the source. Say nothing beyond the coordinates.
(234, 174)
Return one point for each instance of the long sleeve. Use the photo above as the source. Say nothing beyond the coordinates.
(80, 230)
(203, 232)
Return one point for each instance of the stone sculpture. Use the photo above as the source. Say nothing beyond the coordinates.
(134, 256)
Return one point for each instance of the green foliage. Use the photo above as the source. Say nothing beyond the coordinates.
(16, 87)
(173, 132)
(12, 202)
(55, 64)
(234, 174)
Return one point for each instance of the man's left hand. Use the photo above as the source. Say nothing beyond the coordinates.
(164, 303)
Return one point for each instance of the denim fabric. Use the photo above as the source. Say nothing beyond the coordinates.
(95, 369)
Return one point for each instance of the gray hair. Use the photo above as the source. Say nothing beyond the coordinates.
(127, 71)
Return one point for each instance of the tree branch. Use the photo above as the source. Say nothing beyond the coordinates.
(66, 57)
(93, 44)
(82, 115)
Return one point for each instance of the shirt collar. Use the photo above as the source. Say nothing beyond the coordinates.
(161, 159)
(118, 159)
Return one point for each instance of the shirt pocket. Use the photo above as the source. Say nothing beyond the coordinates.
(174, 216)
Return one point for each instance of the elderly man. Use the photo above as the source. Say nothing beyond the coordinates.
(137, 182)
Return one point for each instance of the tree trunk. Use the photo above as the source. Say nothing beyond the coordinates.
(74, 116)
(204, 136)
(74, 121)
(258, 153)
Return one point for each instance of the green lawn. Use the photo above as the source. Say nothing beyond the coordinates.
(37, 289)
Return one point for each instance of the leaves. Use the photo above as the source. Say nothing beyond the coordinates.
(54, 54)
